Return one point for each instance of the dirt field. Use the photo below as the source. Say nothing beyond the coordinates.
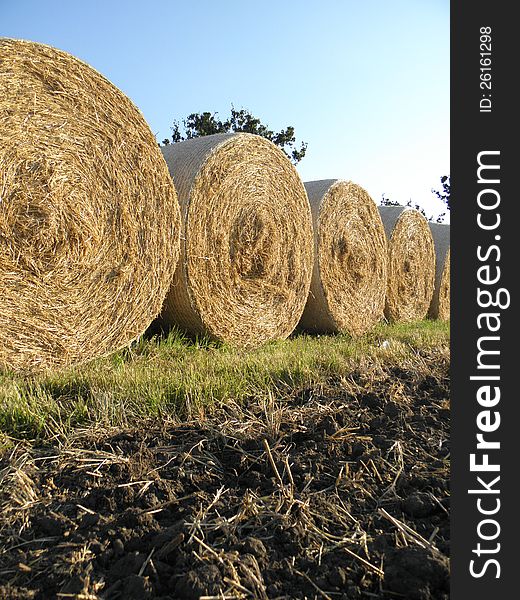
(341, 491)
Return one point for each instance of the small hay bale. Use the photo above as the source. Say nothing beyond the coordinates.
(350, 266)
(440, 305)
(246, 251)
(411, 263)
(89, 219)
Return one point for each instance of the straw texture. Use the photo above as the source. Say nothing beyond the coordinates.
(350, 267)
(246, 252)
(411, 263)
(440, 305)
(89, 220)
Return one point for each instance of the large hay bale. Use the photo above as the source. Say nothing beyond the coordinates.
(89, 220)
(440, 304)
(411, 263)
(246, 252)
(350, 266)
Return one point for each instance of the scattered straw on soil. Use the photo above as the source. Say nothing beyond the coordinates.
(411, 263)
(89, 221)
(246, 253)
(440, 306)
(337, 491)
(350, 265)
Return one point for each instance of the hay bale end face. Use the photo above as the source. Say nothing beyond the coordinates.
(350, 268)
(411, 263)
(246, 251)
(440, 305)
(89, 220)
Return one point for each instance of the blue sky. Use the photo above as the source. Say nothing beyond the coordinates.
(365, 83)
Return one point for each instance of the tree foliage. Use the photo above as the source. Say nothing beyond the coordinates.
(444, 194)
(388, 202)
(206, 123)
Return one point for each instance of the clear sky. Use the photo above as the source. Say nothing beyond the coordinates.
(365, 83)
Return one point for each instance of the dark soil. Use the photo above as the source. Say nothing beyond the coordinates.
(332, 493)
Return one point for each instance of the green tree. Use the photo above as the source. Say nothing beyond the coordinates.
(444, 194)
(206, 123)
(385, 201)
(388, 202)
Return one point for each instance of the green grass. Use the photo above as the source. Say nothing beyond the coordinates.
(176, 377)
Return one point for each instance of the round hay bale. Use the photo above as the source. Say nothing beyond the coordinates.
(440, 305)
(350, 266)
(246, 249)
(411, 263)
(89, 219)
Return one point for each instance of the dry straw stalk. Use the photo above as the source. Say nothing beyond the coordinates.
(89, 220)
(411, 263)
(246, 252)
(440, 305)
(350, 267)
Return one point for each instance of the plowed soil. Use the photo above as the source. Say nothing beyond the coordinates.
(336, 492)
